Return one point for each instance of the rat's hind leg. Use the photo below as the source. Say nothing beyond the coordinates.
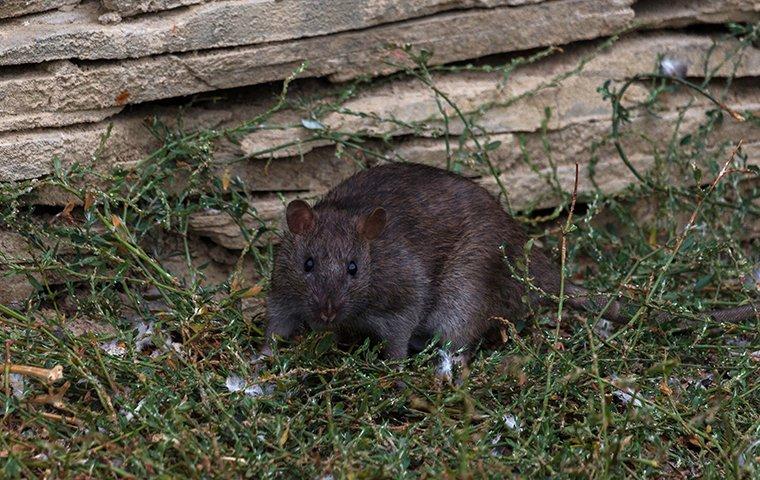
(473, 290)
(461, 315)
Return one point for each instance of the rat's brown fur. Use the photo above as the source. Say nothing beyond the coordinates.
(426, 242)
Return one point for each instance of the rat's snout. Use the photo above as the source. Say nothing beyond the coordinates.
(328, 311)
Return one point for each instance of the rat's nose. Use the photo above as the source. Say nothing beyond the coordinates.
(328, 312)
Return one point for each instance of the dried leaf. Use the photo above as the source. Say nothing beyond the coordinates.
(226, 179)
(235, 284)
(692, 439)
(116, 221)
(65, 214)
(284, 436)
(89, 200)
(665, 389)
(737, 116)
(252, 292)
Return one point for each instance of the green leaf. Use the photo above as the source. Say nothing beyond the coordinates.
(323, 345)
(492, 145)
(662, 368)
(697, 172)
(704, 281)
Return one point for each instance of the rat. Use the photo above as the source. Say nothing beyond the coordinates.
(404, 253)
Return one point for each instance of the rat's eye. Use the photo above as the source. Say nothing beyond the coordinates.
(352, 268)
(309, 265)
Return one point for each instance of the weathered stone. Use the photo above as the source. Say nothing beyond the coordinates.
(28, 155)
(17, 8)
(387, 108)
(528, 184)
(45, 120)
(105, 145)
(269, 143)
(134, 7)
(201, 27)
(13, 250)
(13, 247)
(222, 229)
(29, 105)
(638, 53)
(679, 13)
(294, 175)
(109, 18)
(13, 288)
(454, 36)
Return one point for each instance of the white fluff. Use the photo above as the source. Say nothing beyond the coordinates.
(512, 423)
(234, 383)
(673, 67)
(114, 348)
(445, 369)
(626, 394)
(17, 385)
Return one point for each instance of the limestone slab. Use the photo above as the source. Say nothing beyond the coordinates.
(46, 119)
(78, 33)
(679, 13)
(528, 182)
(27, 155)
(127, 8)
(453, 36)
(17, 8)
(387, 108)
(104, 145)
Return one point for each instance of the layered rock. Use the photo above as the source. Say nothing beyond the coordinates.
(73, 86)
(232, 23)
(18, 8)
(387, 109)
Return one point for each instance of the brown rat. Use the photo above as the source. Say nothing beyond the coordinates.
(403, 253)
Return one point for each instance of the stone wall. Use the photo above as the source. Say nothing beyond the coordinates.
(71, 70)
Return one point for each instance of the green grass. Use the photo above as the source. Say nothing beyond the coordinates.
(554, 400)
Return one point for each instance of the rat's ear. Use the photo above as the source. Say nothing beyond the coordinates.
(373, 224)
(300, 217)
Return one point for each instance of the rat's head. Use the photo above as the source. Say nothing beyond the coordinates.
(327, 260)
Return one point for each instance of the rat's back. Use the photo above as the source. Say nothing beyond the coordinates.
(435, 210)
(402, 184)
